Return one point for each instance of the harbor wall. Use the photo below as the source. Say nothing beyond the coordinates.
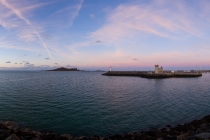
(151, 74)
(125, 73)
(187, 74)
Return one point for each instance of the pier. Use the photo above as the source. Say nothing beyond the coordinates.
(158, 73)
(125, 73)
(147, 74)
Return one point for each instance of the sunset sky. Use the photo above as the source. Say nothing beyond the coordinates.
(97, 34)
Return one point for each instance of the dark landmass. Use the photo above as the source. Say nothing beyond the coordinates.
(195, 130)
(64, 69)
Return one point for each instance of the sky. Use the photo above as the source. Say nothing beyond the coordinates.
(97, 34)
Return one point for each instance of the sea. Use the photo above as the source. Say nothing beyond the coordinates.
(88, 103)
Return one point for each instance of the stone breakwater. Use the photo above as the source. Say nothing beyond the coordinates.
(124, 73)
(147, 74)
(195, 130)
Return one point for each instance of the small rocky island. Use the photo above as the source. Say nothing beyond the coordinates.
(64, 69)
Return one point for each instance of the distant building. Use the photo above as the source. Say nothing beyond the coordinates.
(158, 70)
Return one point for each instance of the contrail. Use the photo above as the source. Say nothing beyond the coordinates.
(43, 44)
(19, 14)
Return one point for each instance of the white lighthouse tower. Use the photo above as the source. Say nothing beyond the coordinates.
(110, 68)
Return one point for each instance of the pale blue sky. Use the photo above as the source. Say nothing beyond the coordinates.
(96, 34)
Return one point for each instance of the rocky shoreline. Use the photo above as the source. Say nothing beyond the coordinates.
(195, 130)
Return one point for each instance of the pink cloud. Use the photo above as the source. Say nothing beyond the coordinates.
(161, 18)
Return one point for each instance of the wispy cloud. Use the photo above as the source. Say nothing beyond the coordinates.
(131, 23)
(128, 20)
(8, 62)
(34, 6)
(9, 44)
(135, 21)
(144, 31)
(15, 11)
(69, 13)
(20, 15)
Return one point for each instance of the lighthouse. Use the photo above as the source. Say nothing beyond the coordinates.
(110, 68)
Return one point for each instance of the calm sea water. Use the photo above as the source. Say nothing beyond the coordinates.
(87, 103)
